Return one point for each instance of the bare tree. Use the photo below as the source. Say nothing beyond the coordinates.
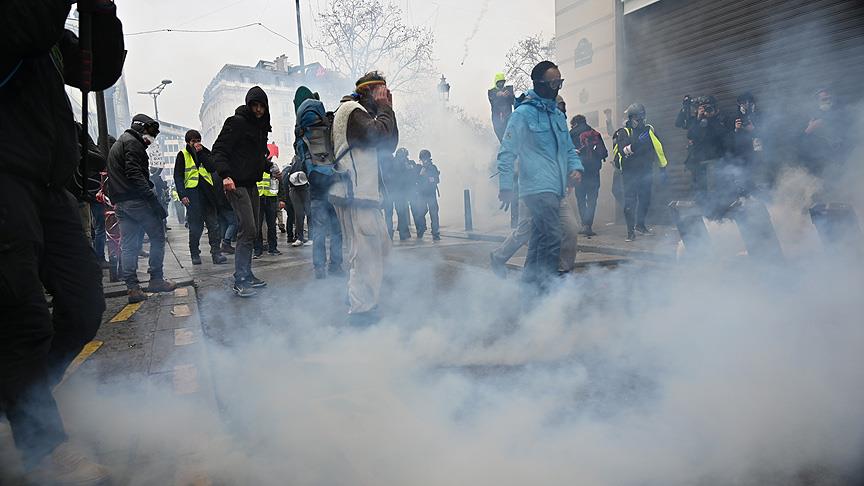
(523, 56)
(358, 36)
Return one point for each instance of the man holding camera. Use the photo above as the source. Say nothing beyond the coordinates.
(710, 140)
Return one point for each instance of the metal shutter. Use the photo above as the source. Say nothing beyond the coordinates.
(779, 50)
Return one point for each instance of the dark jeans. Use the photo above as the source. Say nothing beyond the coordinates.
(637, 196)
(586, 198)
(324, 223)
(227, 224)
(41, 245)
(402, 219)
(97, 213)
(427, 204)
(137, 217)
(268, 207)
(246, 204)
(544, 246)
(300, 202)
(200, 212)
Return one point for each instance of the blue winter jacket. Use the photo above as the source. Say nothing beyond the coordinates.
(537, 135)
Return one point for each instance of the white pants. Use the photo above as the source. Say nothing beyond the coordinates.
(366, 238)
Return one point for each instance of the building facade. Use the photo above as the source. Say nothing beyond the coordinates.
(279, 80)
(616, 52)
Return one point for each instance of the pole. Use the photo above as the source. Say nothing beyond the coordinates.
(85, 41)
(156, 107)
(300, 36)
(102, 122)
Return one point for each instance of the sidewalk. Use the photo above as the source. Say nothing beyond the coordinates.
(147, 361)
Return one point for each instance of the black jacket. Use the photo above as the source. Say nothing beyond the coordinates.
(129, 169)
(709, 142)
(38, 139)
(240, 151)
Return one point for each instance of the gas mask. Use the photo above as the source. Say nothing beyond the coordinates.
(548, 89)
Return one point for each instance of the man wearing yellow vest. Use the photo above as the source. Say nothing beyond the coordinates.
(194, 186)
(268, 191)
(635, 151)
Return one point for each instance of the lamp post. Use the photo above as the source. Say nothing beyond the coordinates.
(155, 92)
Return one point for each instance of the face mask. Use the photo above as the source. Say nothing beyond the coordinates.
(148, 139)
(547, 91)
(743, 109)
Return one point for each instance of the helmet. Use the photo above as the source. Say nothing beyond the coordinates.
(298, 179)
(637, 110)
(401, 152)
(706, 101)
(425, 155)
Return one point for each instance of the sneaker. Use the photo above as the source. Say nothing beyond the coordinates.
(274, 252)
(227, 248)
(297, 243)
(219, 259)
(256, 282)
(645, 230)
(336, 271)
(404, 237)
(589, 232)
(256, 256)
(161, 285)
(68, 465)
(196, 260)
(243, 289)
(420, 235)
(136, 295)
(307, 243)
(631, 236)
(320, 274)
(498, 267)
(436, 237)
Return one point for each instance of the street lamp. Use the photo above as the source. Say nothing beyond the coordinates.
(155, 92)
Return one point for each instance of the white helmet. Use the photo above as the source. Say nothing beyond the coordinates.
(298, 179)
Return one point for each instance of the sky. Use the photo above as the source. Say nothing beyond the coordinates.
(192, 60)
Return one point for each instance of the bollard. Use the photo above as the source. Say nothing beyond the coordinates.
(469, 220)
(757, 230)
(688, 219)
(837, 225)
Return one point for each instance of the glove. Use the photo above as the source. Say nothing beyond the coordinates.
(628, 150)
(97, 6)
(506, 198)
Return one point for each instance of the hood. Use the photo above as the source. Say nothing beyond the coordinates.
(531, 98)
(246, 112)
(255, 93)
(498, 77)
(302, 94)
(309, 112)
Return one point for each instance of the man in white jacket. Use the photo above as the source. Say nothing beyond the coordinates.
(364, 128)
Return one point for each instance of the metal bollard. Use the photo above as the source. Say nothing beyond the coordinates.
(837, 225)
(688, 219)
(469, 220)
(757, 230)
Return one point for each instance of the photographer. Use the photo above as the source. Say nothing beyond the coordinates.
(747, 145)
(42, 245)
(687, 116)
(710, 141)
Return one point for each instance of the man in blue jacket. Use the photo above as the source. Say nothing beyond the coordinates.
(548, 163)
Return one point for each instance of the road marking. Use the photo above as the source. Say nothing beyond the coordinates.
(85, 353)
(181, 292)
(126, 312)
(183, 337)
(181, 310)
(185, 379)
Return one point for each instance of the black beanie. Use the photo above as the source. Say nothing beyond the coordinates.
(256, 94)
(142, 121)
(540, 69)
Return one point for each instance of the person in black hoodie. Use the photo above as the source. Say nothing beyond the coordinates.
(138, 207)
(42, 245)
(593, 152)
(195, 188)
(240, 158)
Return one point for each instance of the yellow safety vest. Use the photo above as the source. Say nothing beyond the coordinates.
(265, 188)
(192, 171)
(618, 155)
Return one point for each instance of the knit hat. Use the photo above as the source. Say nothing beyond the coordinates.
(302, 94)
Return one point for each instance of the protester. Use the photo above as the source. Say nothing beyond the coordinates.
(273, 153)
(42, 246)
(635, 151)
(364, 131)
(823, 136)
(138, 207)
(314, 148)
(501, 98)
(411, 189)
(227, 219)
(592, 151)
(195, 187)
(427, 191)
(398, 185)
(747, 145)
(240, 158)
(548, 163)
(298, 193)
(710, 142)
(268, 192)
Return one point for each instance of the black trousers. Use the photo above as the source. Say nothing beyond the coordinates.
(202, 211)
(637, 196)
(42, 244)
(269, 205)
(586, 198)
